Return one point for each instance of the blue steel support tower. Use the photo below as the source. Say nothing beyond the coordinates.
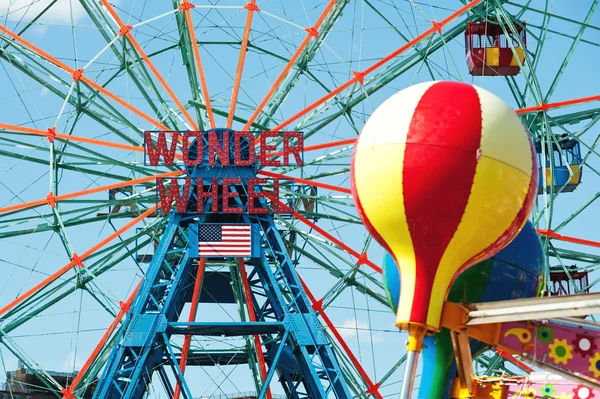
(296, 348)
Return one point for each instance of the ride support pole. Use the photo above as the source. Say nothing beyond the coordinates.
(416, 334)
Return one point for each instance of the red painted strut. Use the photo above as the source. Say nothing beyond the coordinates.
(318, 307)
(574, 240)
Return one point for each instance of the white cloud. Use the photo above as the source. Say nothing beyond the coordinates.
(59, 13)
(350, 329)
(67, 364)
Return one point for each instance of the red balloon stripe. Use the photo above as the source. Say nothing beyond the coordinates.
(444, 135)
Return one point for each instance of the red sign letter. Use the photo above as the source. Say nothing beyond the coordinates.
(278, 206)
(161, 148)
(254, 195)
(264, 148)
(185, 145)
(237, 138)
(166, 201)
(295, 150)
(222, 152)
(213, 194)
(228, 194)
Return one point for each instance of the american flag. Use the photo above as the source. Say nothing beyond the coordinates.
(223, 240)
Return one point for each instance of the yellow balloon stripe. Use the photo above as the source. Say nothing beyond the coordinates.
(502, 133)
(381, 197)
(498, 194)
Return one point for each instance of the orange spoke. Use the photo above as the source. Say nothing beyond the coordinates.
(192, 317)
(51, 134)
(252, 315)
(317, 147)
(318, 307)
(311, 32)
(188, 18)
(528, 110)
(359, 76)
(52, 199)
(125, 307)
(305, 181)
(329, 145)
(78, 75)
(551, 234)
(251, 7)
(361, 258)
(559, 104)
(126, 30)
(77, 261)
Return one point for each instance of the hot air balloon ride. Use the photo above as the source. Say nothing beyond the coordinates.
(514, 272)
(443, 176)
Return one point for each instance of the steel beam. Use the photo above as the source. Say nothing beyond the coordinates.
(226, 329)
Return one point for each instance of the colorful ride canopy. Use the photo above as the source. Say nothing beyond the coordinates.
(444, 176)
(514, 272)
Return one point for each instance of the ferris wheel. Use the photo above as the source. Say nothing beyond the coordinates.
(81, 227)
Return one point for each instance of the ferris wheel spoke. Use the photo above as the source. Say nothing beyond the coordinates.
(44, 377)
(324, 250)
(522, 111)
(360, 76)
(307, 55)
(325, 257)
(125, 30)
(558, 104)
(25, 63)
(78, 216)
(566, 60)
(359, 93)
(53, 199)
(345, 278)
(552, 234)
(94, 157)
(78, 75)
(51, 134)
(317, 305)
(186, 6)
(109, 258)
(361, 258)
(64, 166)
(124, 309)
(312, 32)
(304, 181)
(102, 23)
(251, 7)
(76, 261)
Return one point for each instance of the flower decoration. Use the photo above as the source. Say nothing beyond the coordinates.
(595, 365)
(560, 351)
(548, 391)
(582, 392)
(544, 334)
(584, 345)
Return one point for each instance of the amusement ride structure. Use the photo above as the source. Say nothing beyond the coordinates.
(179, 217)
